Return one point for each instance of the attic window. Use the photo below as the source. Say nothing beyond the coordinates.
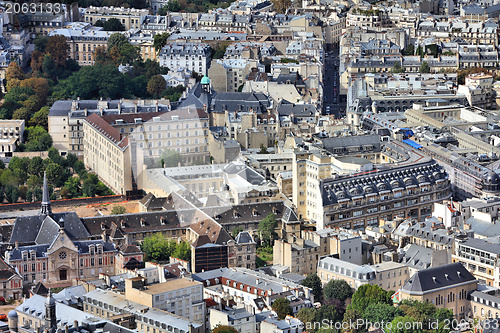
(218, 217)
(143, 223)
(162, 220)
(103, 226)
(255, 212)
(235, 214)
(122, 223)
(434, 279)
(274, 210)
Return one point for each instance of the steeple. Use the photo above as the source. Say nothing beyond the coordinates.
(45, 209)
(50, 313)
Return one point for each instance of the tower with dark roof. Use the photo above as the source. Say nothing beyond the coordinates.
(50, 313)
(45, 209)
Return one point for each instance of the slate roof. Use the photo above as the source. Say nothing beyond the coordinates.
(41, 250)
(332, 144)
(6, 271)
(415, 174)
(245, 212)
(286, 108)
(27, 229)
(40, 289)
(240, 102)
(244, 237)
(446, 276)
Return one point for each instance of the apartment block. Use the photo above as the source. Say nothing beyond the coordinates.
(195, 57)
(108, 153)
(180, 296)
(448, 286)
(137, 316)
(129, 17)
(388, 275)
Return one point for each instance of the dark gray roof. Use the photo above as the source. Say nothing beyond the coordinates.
(27, 229)
(41, 250)
(286, 108)
(481, 244)
(438, 277)
(333, 190)
(244, 237)
(332, 144)
(240, 102)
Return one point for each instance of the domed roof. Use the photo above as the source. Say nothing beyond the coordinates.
(492, 178)
(12, 314)
(205, 80)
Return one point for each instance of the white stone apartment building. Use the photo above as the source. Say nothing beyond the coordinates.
(11, 134)
(83, 39)
(388, 275)
(193, 56)
(107, 153)
(129, 17)
(184, 130)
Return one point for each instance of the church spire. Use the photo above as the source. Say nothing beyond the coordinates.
(45, 209)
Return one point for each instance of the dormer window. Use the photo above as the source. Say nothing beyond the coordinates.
(162, 220)
(255, 212)
(235, 214)
(92, 249)
(122, 224)
(274, 210)
(218, 217)
(103, 226)
(143, 223)
(25, 255)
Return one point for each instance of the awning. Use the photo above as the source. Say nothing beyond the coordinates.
(412, 143)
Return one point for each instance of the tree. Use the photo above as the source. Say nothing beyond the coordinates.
(173, 6)
(79, 168)
(224, 329)
(282, 308)
(219, 50)
(39, 85)
(327, 311)
(55, 174)
(397, 68)
(100, 54)
(369, 294)
(313, 281)
(49, 66)
(113, 24)
(378, 312)
(156, 85)
(308, 317)
(37, 194)
(236, 231)
(8, 178)
(263, 150)
(405, 324)
(160, 40)
(116, 39)
(266, 229)
(41, 43)
(34, 182)
(40, 118)
(71, 159)
(352, 316)
(170, 158)
(281, 6)
(337, 289)
(36, 61)
(11, 193)
(128, 54)
(425, 68)
(58, 49)
(118, 210)
(14, 71)
(158, 248)
(73, 186)
(182, 251)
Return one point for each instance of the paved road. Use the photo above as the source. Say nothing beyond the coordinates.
(332, 103)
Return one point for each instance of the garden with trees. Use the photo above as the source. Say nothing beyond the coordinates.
(158, 248)
(371, 303)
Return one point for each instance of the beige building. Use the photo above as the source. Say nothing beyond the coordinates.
(227, 75)
(107, 152)
(83, 40)
(388, 275)
(485, 304)
(129, 17)
(134, 315)
(447, 286)
(180, 296)
(409, 186)
(481, 258)
(300, 255)
(184, 130)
